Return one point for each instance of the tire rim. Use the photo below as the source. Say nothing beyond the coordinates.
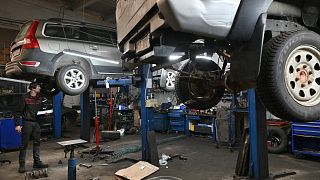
(275, 141)
(74, 79)
(171, 78)
(302, 75)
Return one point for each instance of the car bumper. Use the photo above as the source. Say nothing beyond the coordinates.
(15, 69)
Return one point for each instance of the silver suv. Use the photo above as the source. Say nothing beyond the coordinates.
(64, 55)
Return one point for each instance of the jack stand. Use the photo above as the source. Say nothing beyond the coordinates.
(72, 162)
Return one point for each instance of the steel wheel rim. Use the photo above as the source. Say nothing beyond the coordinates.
(275, 141)
(74, 79)
(302, 75)
(171, 78)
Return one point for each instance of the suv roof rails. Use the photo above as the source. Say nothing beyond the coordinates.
(81, 23)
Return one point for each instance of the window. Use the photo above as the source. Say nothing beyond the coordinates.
(81, 33)
(65, 31)
(23, 32)
(101, 36)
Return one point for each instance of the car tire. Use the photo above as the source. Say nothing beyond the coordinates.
(289, 80)
(277, 140)
(72, 80)
(186, 91)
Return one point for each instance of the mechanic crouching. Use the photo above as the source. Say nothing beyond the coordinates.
(32, 103)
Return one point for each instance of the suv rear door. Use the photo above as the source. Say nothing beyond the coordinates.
(102, 45)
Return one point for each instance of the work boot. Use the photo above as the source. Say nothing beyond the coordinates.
(22, 168)
(39, 164)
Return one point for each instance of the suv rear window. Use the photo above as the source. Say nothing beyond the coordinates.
(23, 32)
(80, 33)
(102, 36)
(64, 31)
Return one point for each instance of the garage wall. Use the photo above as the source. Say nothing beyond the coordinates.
(23, 10)
(7, 36)
(164, 97)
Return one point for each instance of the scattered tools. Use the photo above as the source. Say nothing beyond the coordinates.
(163, 161)
(100, 153)
(2, 161)
(94, 178)
(42, 173)
(85, 165)
(105, 164)
(181, 157)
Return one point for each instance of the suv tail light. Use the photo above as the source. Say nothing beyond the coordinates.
(30, 41)
(30, 63)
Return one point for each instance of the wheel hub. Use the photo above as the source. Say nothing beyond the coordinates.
(304, 75)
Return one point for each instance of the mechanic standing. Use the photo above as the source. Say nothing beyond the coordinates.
(30, 127)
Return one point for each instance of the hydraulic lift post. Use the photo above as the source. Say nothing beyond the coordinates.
(85, 119)
(146, 81)
(57, 105)
(258, 163)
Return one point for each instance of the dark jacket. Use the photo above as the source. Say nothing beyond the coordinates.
(29, 109)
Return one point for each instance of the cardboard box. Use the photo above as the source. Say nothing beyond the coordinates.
(136, 118)
(137, 171)
(152, 103)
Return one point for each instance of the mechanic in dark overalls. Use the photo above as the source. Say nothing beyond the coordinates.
(31, 105)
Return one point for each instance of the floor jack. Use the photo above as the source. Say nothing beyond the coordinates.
(96, 150)
(72, 162)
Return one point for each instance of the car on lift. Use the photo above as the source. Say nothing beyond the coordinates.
(64, 55)
(271, 45)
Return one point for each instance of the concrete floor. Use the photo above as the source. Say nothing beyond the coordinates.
(205, 161)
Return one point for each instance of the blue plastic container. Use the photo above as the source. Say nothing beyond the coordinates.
(9, 139)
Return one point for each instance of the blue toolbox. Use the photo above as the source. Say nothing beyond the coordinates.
(9, 139)
(159, 122)
(177, 120)
(306, 138)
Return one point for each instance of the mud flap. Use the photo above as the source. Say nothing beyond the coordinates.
(245, 64)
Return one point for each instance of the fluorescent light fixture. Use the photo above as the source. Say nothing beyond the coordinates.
(204, 57)
(90, 57)
(174, 57)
